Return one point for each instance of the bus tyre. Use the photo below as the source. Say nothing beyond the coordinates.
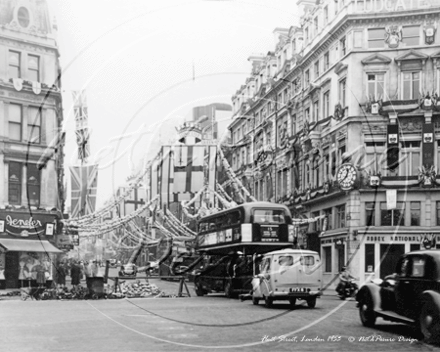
(292, 302)
(255, 301)
(229, 291)
(268, 301)
(311, 302)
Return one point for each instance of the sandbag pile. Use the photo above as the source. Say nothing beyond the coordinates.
(137, 289)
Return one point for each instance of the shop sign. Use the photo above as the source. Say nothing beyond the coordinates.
(396, 238)
(24, 225)
(393, 5)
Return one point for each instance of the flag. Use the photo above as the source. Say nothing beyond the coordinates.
(166, 176)
(82, 140)
(194, 166)
(84, 181)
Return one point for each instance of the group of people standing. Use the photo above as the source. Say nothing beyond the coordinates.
(77, 271)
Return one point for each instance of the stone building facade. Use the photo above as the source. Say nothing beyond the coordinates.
(31, 156)
(342, 119)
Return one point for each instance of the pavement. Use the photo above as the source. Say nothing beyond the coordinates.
(167, 287)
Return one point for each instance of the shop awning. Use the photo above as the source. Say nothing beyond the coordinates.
(28, 246)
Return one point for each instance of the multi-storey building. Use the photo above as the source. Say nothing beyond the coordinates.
(31, 157)
(342, 120)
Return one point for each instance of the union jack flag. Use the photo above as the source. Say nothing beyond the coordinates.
(82, 139)
(84, 181)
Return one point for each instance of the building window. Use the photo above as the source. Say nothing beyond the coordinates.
(306, 79)
(14, 64)
(325, 15)
(326, 61)
(336, 6)
(293, 122)
(306, 35)
(34, 125)
(394, 217)
(326, 104)
(369, 214)
(23, 17)
(415, 213)
(343, 92)
(34, 68)
(15, 121)
(327, 259)
(316, 225)
(410, 160)
(376, 84)
(340, 216)
(329, 214)
(411, 84)
(438, 213)
(33, 185)
(369, 257)
(316, 111)
(411, 35)
(307, 114)
(376, 38)
(316, 69)
(375, 160)
(343, 46)
(14, 183)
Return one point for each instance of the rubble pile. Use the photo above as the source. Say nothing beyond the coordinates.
(138, 289)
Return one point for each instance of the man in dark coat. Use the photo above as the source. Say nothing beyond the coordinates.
(75, 273)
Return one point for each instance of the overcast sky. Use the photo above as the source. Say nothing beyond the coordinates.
(135, 60)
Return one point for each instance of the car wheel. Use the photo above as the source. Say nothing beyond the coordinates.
(268, 301)
(311, 302)
(255, 301)
(430, 322)
(198, 288)
(366, 310)
(292, 302)
(229, 291)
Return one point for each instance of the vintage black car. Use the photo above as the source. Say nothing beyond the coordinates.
(410, 296)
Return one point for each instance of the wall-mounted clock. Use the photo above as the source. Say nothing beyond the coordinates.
(346, 176)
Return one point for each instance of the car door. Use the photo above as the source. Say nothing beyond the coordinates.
(410, 284)
(285, 271)
(309, 271)
(265, 276)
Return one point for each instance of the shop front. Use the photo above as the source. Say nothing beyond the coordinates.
(379, 252)
(27, 252)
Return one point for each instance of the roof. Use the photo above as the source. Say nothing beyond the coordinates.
(28, 245)
(251, 205)
(292, 251)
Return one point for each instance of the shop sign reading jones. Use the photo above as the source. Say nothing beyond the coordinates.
(393, 5)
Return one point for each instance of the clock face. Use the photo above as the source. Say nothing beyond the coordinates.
(346, 176)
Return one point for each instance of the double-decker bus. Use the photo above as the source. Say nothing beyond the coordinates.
(231, 238)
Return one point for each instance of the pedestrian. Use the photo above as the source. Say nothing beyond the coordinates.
(41, 275)
(61, 275)
(88, 270)
(75, 273)
(95, 269)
